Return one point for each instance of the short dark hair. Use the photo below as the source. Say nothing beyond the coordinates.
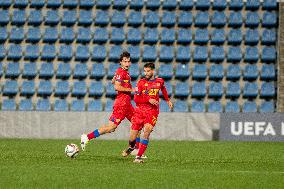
(150, 65)
(124, 54)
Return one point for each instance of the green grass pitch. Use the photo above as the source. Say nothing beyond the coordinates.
(170, 164)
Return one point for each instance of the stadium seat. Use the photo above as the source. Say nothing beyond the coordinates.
(135, 18)
(48, 52)
(117, 35)
(166, 53)
(183, 54)
(6, 3)
(67, 35)
(151, 19)
(5, 18)
(84, 35)
(112, 69)
(267, 89)
(37, 3)
(110, 92)
(15, 52)
(233, 90)
(218, 19)
(202, 4)
(169, 88)
(252, 19)
(268, 37)
(86, 17)
(101, 35)
(118, 18)
(236, 4)
(251, 54)
(232, 107)
(216, 72)
(151, 35)
(200, 54)
(168, 19)
(10, 88)
(96, 89)
(2, 52)
(234, 54)
(268, 54)
(120, 4)
(170, 4)
(82, 53)
(182, 89)
(102, 18)
(267, 107)
(250, 72)
(134, 36)
(12, 70)
(52, 17)
(185, 19)
(152, 4)
(65, 52)
(215, 106)
(199, 71)
(80, 71)
(53, 3)
(33, 35)
(70, 3)
(235, 37)
(17, 34)
(198, 89)
(235, 19)
(134, 71)
(69, 17)
(182, 71)
(252, 4)
(77, 106)
(79, 89)
(109, 105)
(249, 106)
(184, 36)
(269, 19)
(103, 4)
(269, 4)
(32, 52)
(186, 4)
(115, 52)
(134, 52)
(43, 105)
(95, 105)
(166, 71)
(9, 105)
(61, 105)
(63, 70)
(62, 88)
(44, 88)
(197, 106)
(18, 17)
(268, 72)
(35, 17)
(136, 4)
(215, 89)
(50, 35)
(99, 53)
(149, 53)
(250, 89)
(167, 36)
(201, 36)
(219, 4)
(181, 106)
(30, 70)
(251, 37)
(233, 72)
(26, 105)
(97, 71)
(202, 19)
(46, 70)
(218, 36)
(217, 54)
(3, 34)
(28, 88)
(164, 106)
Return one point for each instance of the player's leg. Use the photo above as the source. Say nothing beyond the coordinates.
(132, 141)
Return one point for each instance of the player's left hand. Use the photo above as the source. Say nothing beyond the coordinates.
(170, 105)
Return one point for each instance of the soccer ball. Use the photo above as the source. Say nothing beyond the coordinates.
(71, 150)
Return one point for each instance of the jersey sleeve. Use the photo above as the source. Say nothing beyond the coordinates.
(164, 91)
(119, 76)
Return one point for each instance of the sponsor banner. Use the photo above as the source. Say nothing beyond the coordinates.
(252, 126)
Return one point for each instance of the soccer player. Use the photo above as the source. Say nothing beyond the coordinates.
(147, 109)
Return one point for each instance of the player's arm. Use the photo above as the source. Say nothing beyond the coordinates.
(118, 87)
(166, 96)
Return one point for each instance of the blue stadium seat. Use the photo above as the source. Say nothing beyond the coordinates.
(215, 89)
(268, 37)
(197, 106)
(151, 35)
(170, 4)
(109, 105)
(85, 17)
(135, 18)
(233, 89)
(28, 88)
(215, 106)
(32, 52)
(82, 53)
(235, 19)
(269, 4)
(99, 53)
(96, 89)
(268, 72)
(77, 106)
(251, 37)
(198, 89)
(26, 105)
(2, 52)
(169, 88)
(201, 36)
(84, 35)
(236, 4)
(9, 105)
(79, 89)
(15, 52)
(53, 3)
(164, 106)
(33, 35)
(67, 35)
(252, 19)
(186, 4)
(48, 52)
(50, 35)
(168, 19)
(182, 71)
(117, 35)
(152, 4)
(70, 3)
(115, 52)
(268, 54)
(252, 4)
(5, 18)
(251, 54)
(182, 89)
(267, 89)
(103, 4)
(37, 3)
(202, 4)
(185, 19)
(69, 17)
(216, 72)
(95, 105)
(3, 34)
(30, 70)
(151, 19)
(199, 71)
(218, 36)
(250, 72)
(232, 107)
(43, 105)
(250, 89)
(62, 88)
(101, 35)
(61, 105)
(112, 69)
(110, 92)
(218, 19)
(10, 88)
(12, 70)
(120, 4)
(219, 4)
(5, 3)
(35, 17)
(202, 19)
(63, 71)
(18, 17)
(80, 71)
(52, 17)
(249, 106)
(17, 34)
(46, 70)
(235, 37)
(234, 54)
(149, 53)
(200, 54)
(134, 52)
(102, 18)
(233, 72)
(44, 88)
(97, 71)
(267, 107)
(269, 19)
(136, 4)
(134, 36)
(166, 71)
(184, 36)
(183, 54)
(118, 18)
(181, 106)
(134, 71)
(65, 52)
(166, 53)
(217, 54)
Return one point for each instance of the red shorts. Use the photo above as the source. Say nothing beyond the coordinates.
(120, 113)
(140, 118)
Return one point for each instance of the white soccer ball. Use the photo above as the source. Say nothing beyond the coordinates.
(71, 150)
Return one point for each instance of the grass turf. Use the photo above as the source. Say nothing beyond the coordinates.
(171, 164)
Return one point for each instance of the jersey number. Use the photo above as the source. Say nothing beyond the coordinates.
(153, 92)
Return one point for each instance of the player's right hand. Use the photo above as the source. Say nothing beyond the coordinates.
(154, 102)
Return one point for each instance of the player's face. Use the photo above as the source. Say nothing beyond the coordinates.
(125, 63)
(149, 73)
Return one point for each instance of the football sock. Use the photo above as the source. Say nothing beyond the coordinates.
(142, 147)
(137, 143)
(132, 144)
(93, 134)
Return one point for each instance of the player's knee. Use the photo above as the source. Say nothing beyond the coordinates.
(112, 128)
